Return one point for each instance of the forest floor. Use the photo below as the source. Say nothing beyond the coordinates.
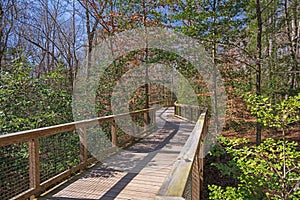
(239, 124)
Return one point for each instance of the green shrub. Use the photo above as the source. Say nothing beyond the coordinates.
(268, 171)
(27, 102)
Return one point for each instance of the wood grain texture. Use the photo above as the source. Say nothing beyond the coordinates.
(32, 137)
(187, 162)
(137, 172)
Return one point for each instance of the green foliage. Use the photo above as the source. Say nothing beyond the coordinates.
(212, 22)
(230, 193)
(268, 171)
(274, 115)
(28, 103)
(121, 66)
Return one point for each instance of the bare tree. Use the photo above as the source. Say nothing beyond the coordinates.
(8, 12)
(54, 30)
(292, 24)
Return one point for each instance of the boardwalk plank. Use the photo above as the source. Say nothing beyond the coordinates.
(136, 173)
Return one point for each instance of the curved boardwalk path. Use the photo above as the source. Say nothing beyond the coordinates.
(136, 172)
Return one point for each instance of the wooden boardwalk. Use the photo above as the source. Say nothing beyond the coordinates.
(136, 172)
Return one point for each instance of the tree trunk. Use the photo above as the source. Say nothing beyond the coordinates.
(258, 63)
(214, 55)
(147, 117)
(2, 47)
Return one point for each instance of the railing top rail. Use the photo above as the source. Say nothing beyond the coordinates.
(190, 106)
(23, 136)
(175, 183)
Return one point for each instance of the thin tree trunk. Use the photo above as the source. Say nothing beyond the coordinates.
(90, 41)
(284, 186)
(147, 118)
(2, 47)
(258, 63)
(214, 55)
(295, 43)
(292, 32)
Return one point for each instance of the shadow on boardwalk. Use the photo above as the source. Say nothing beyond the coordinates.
(136, 172)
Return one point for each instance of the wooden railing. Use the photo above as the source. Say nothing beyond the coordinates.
(188, 112)
(164, 102)
(30, 140)
(185, 180)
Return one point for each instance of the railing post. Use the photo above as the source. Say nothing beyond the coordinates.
(83, 146)
(192, 119)
(198, 165)
(153, 117)
(114, 133)
(196, 179)
(201, 155)
(175, 110)
(135, 127)
(146, 120)
(34, 164)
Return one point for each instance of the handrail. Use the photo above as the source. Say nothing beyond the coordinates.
(186, 176)
(188, 112)
(22, 136)
(32, 138)
(164, 103)
(188, 105)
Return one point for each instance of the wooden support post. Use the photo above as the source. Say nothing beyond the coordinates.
(34, 164)
(201, 172)
(201, 154)
(192, 119)
(175, 110)
(153, 117)
(114, 133)
(135, 128)
(150, 93)
(198, 165)
(146, 120)
(163, 96)
(195, 179)
(83, 145)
